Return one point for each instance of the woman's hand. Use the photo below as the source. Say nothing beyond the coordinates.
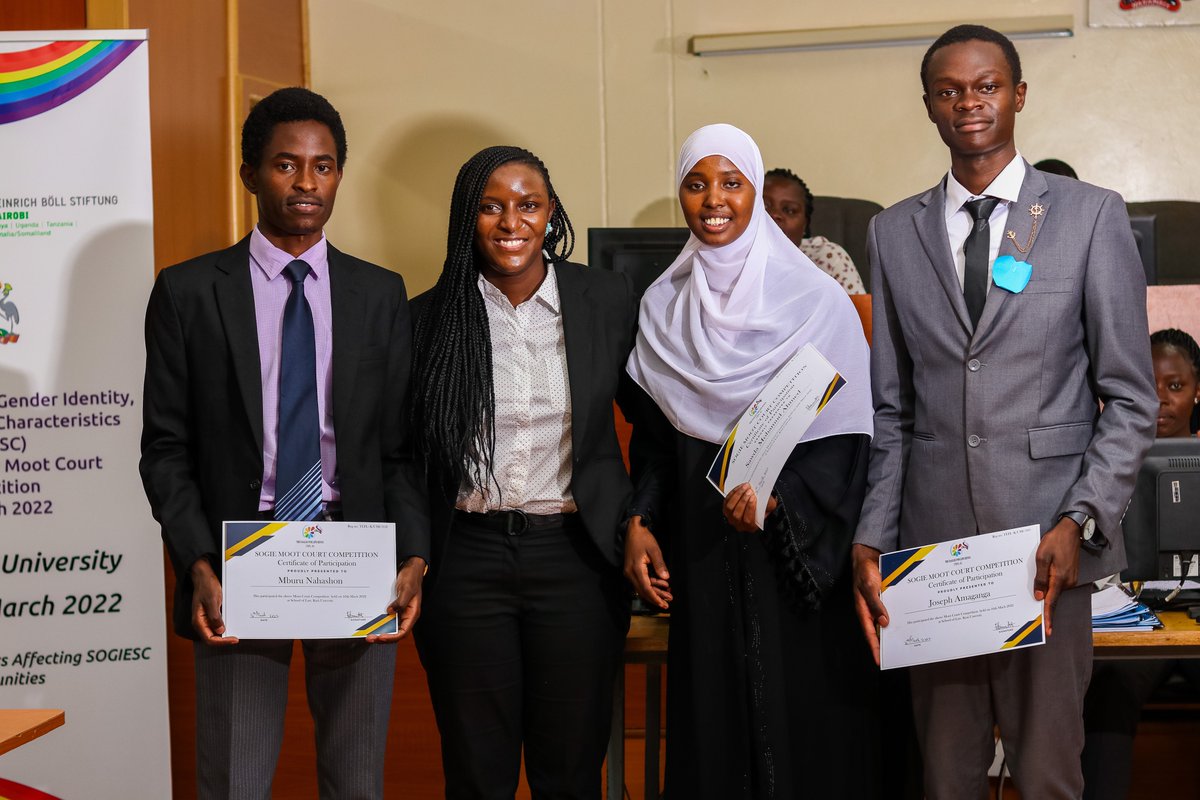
(741, 505)
(644, 565)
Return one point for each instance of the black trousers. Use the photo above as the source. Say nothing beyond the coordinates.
(521, 637)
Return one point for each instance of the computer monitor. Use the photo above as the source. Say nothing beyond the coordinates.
(1162, 522)
(1143, 235)
(642, 253)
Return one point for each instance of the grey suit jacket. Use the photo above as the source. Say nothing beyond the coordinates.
(999, 427)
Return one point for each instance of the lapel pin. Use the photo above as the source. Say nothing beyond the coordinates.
(1036, 211)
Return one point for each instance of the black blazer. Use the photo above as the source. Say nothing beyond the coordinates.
(202, 433)
(599, 312)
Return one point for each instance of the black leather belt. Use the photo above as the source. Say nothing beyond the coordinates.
(515, 522)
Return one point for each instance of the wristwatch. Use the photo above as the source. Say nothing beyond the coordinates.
(1087, 525)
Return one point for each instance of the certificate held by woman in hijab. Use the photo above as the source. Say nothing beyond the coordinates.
(765, 435)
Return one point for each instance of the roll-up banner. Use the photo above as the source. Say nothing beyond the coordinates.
(81, 570)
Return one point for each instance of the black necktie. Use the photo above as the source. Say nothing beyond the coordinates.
(298, 456)
(976, 248)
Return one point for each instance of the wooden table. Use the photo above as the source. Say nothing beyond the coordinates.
(1179, 638)
(646, 644)
(21, 725)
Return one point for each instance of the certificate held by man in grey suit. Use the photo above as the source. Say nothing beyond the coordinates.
(959, 598)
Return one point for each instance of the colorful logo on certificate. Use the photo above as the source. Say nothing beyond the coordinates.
(754, 407)
(9, 316)
(311, 531)
(959, 549)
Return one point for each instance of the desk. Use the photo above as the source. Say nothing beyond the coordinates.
(646, 644)
(21, 725)
(1179, 638)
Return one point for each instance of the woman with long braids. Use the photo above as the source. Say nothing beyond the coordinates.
(518, 356)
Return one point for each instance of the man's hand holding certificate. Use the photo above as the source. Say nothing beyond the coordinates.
(308, 580)
(965, 597)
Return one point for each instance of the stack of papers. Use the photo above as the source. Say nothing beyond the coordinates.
(1114, 610)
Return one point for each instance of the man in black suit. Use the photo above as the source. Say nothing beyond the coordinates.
(224, 335)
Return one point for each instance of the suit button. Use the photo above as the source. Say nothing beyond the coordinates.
(973, 440)
(974, 365)
(256, 485)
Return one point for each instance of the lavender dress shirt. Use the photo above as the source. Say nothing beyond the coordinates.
(270, 295)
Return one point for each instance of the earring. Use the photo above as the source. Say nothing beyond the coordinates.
(549, 228)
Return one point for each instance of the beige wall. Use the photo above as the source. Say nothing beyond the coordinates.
(605, 91)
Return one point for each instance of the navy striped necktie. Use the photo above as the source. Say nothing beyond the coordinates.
(298, 455)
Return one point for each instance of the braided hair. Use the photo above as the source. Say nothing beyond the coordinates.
(787, 175)
(1173, 337)
(454, 400)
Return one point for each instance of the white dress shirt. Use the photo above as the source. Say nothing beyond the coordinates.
(1007, 187)
(532, 461)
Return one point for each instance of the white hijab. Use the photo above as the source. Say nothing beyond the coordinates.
(720, 321)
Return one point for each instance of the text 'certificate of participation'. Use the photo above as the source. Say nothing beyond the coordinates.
(770, 428)
(308, 580)
(966, 597)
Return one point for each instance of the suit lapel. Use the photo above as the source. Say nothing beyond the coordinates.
(931, 228)
(235, 304)
(346, 301)
(1020, 225)
(577, 323)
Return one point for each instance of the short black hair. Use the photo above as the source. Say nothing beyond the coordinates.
(784, 174)
(972, 33)
(293, 104)
(1056, 167)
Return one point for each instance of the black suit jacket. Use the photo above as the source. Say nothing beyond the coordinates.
(202, 433)
(599, 313)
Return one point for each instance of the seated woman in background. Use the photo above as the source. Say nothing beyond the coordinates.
(517, 357)
(790, 204)
(1119, 689)
(771, 694)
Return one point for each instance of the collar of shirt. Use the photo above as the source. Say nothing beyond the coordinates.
(546, 295)
(1006, 186)
(271, 260)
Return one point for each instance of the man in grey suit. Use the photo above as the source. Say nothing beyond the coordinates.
(988, 413)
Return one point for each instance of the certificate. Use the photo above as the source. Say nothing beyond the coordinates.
(770, 428)
(308, 580)
(965, 597)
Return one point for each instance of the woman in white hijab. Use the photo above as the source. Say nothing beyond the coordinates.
(771, 691)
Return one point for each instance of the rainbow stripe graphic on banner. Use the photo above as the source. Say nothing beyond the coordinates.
(1027, 634)
(35, 81)
(11, 790)
(895, 566)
